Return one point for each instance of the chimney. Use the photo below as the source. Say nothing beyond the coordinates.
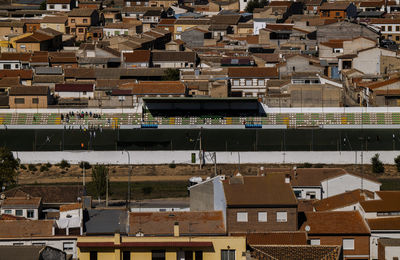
(176, 229)
(287, 178)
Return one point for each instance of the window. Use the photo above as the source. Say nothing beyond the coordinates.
(397, 28)
(198, 255)
(382, 28)
(126, 255)
(249, 82)
(158, 255)
(262, 216)
(116, 32)
(80, 30)
(30, 213)
(241, 217)
(227, 254)
(19, 100)
(348, 244)
(126, 32)
(7, 211)
(389, 28)
(23, 46)
(18, 212)
(73, 30)
(35, 101)
(39, 244)
(64, 7)
(7, 66)
(179, 29)
(281, 216)
(397, 38)
(85, 20)
(315, 242)
(337, 14)
(68, 246)
(51, 7)
(261, 82)
(93, 255)
(297, 193)
(236, 82)
(310, 195)
(16, 66)
(72, 20)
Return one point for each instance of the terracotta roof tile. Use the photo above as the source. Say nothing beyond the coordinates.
(68, 87)
(389, 223)
(59, 194)
(26, 228)
(69, 207)
(29, 91)
(334, 6)
(342, 200)
(253, 72)
(162, 223)
(258, 190)
(137, 56)
(35, 37)
(156, 88)
(335, 222)
(297, 252)
(388, 202)
(15, 56)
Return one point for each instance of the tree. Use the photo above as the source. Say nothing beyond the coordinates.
(43, 5)
(397, 162)
(171, 74)
(99, 180)
(255, 4)
(8, 167)
(377, 165)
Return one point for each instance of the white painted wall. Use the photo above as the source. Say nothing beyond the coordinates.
(184, 157)
(15, 65)
(109, 32)
(345, 183)
(24, 213)
(374, 243)
(219, 196)
(58, 7)
(56, 243)
(305, 190)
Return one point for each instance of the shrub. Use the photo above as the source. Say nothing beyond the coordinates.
(306, 165)
(32, 168)
(64, 164)
(147, 190)
(43, 168)
(377, 165)
(318, 165)
(48, 165)
(397, 162)
(22, 166)
(172, 165)
(85, 165)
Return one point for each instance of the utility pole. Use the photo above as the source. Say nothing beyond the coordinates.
(107, 188)
(201, 151)
(215, 164)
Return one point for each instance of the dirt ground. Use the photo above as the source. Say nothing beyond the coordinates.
(168, 172)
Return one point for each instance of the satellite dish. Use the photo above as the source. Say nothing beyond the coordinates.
(308, 228)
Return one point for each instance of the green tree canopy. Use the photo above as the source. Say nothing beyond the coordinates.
(255, 4)
(171, 74)
(99, 180)
(8, 167)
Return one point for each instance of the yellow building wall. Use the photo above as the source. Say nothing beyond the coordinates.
(55, 26)
(219, 243)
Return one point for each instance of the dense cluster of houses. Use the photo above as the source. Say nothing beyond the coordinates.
(310, 53)
(303, 213)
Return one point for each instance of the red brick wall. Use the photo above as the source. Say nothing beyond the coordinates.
(252, 224)
(361, 243)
